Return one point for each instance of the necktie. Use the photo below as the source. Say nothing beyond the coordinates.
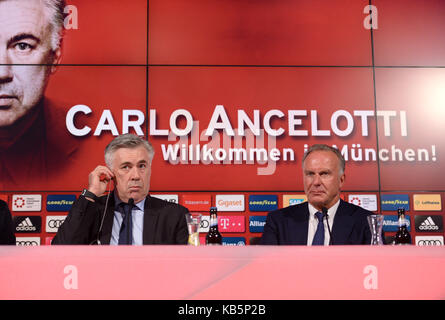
(319, 234)
(126, 232)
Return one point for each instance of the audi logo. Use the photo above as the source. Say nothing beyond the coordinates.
(429, 243)
(27, 243)
(55, 223)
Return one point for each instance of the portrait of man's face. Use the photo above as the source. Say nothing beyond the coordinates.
(26, 57)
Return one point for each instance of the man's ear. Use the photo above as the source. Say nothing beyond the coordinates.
(56, 59)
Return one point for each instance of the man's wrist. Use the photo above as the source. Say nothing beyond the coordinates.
(89, 195)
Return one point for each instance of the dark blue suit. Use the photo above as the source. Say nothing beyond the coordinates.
(289, 226)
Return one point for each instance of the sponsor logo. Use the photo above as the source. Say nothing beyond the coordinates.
(263, 202)
(256, 223)
(27, 202)
(234, 241)
(366, 201)
(197, 202)
(25, 224)
(27, 241)
(427, 202)
(429, 223)
(166, 197)
(204, 224)
(59, 202)
(391, 223)
(231, 224)
(54, 222)
(392, 202)
(429, 240)
(230, 202)
(293, 199)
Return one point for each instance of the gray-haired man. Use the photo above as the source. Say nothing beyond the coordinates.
(33, 141)
(324, 219)
(128, 214)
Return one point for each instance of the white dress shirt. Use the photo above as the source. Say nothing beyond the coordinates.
(137, 218)
(313, 223)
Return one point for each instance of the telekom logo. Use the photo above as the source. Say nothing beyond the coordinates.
(224, 223)
(232, 224)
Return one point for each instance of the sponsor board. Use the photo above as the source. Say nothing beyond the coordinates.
(231, 224)
(167, 197)
(427, 202)
(53, 223)
(27, 202)
(391, 223)
(392, 202)
(256, 223)
(48, 240)
(197, 202)
(429, 240)
(204, 224)
(431, 223)
(234, 241)
(4, 197)
(263, 202)
(230, 202)
(59, 202)
(27, 224)
(27, 241)
(293, 199)
(366, 201)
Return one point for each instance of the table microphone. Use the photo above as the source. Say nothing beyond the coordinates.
(325, 214)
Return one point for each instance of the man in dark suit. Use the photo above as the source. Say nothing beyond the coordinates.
(6, 225)
(128, 215)
(324, 219)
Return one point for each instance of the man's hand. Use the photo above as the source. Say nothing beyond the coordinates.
(98, 180)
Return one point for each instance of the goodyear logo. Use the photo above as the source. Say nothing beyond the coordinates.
(59, 202)
(263, 202)
(392, 202)
(427, 202)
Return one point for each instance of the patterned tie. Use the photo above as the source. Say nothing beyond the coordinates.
(126, 232)
(319, 234)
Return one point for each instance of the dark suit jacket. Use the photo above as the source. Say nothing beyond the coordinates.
(7, 235)
(164, 222)
(289, 226)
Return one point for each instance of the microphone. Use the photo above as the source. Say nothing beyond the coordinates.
(325, 215)
(99, 233)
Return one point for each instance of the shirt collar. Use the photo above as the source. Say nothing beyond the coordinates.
(331, 211)
(140, 205)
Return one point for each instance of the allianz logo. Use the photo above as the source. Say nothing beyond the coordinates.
(255, 223)
(394, 223)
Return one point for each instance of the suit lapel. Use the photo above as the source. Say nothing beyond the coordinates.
(297, 224)
(151, 214)
(107, 228)
(342, 224)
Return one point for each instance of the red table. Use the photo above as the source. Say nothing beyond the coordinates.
(251, 272)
